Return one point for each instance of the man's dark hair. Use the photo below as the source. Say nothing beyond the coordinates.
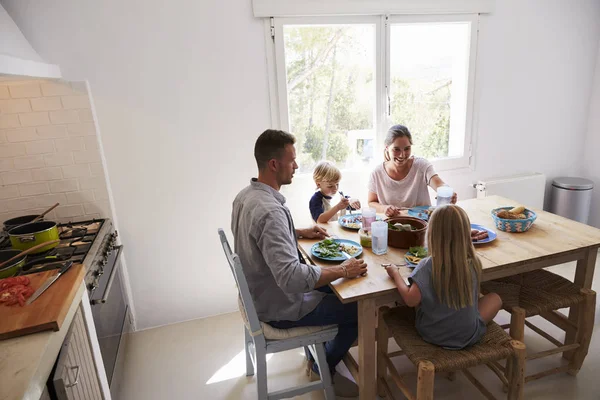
(270, 144)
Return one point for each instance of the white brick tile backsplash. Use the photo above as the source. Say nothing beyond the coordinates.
(34, 119)
(91, 143)
(19, 204)
(82, 129)
(88, 156)
(9, 192)
(2, 135)
(4, 92)
(21, 135)
(97, 207)
(14, 106)
(6, 164)
(9, 121)
(33, 189)
(56, 89)
(79, 87)
(29, 162)
(96, 182)
(46, 104)
(58, 159)
(52, 131)
(68, 185)
(86, 115)
(96, 169)
(15, 177)
(76, 171)
(12, 150)
(40, 147)
(85, 196)
(75, 102)
(47, 200)
(64, 116)
(101, 194)
(26, 90)
(46, 174)
(69, 211)
(70, 144)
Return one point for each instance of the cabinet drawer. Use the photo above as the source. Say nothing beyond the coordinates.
(76, 377)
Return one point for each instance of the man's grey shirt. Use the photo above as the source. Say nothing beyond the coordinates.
(265, 240)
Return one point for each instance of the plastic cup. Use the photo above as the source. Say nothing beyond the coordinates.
(368, 217)
(444, 195)
(379, 237)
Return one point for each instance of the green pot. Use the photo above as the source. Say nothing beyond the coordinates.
(26, 236)
(12, 269)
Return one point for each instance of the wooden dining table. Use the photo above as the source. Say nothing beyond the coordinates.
(552, 240)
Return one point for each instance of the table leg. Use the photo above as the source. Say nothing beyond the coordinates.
(367, 352)
(584, 274)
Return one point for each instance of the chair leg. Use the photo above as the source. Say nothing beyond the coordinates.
(425, 381)
(517, 332)
(517, 371)
(262, 392)
(382, 351)
(247, 342)
(585, 327)
(324, 371)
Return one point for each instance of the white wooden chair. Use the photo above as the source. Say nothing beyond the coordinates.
(262, 339)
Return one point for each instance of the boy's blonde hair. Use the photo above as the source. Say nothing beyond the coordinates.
(453, 257)
(325, 171)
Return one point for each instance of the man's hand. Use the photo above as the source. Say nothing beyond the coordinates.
(355, 267)
(316, 232)
(392, 211)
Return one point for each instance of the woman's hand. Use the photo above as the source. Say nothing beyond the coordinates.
(392, 211)
(355, 203)
(454, 198)
(316, 232)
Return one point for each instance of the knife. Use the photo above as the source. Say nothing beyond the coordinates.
(49, 282)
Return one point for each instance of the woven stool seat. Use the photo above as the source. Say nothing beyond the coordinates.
(536, 292)
(492, 347)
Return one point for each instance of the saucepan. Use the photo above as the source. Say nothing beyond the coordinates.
(11, 261)
(30, 235)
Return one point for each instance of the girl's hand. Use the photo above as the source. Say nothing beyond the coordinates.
(344, 202)
(392, 211)
(392, 271)
(355, 203)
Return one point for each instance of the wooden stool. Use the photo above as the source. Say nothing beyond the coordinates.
(494, 346)
(541, 293)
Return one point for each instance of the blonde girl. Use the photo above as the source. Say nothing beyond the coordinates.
(445, 286)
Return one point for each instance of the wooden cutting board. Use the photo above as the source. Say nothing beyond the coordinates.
(48, 311)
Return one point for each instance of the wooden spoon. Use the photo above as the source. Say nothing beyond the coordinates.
(30, 250)
(45, 212)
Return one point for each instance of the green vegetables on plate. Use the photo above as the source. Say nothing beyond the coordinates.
(418, 251)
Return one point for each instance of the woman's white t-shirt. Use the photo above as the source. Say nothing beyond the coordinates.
(408, 192)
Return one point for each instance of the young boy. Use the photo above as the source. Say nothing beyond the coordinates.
(327, 178)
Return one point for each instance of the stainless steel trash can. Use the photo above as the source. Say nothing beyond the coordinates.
(571, 198)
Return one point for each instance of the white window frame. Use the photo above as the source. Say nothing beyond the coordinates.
(278, 84)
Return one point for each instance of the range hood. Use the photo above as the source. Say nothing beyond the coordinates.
(17, 57)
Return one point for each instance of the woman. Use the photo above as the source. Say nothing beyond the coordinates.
(402, 180)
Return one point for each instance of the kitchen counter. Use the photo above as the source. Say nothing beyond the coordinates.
(26, 361)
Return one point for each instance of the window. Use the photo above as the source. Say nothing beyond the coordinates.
(341, 82)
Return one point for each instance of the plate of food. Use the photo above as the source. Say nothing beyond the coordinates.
(422, 212)
(353, 221)
(336, 249)
(480, 234)
(415, 255)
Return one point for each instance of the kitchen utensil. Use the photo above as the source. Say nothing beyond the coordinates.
(30, 250)
(395, 265)
(29, 235)
(407, 239)
(18, 221)
(39, 217)
(49, 311)
(10, 268)
(49, 282)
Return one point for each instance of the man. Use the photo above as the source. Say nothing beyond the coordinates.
(282, 287)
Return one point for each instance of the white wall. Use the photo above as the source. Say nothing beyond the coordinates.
(591, 166)
(181, 94)
(12, 41)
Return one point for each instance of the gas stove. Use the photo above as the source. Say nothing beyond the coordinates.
(87, 242)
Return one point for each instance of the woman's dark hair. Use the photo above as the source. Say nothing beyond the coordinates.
(395, 132)
(270, 144)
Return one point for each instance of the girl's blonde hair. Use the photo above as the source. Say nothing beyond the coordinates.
(453, 256)
(325, 171)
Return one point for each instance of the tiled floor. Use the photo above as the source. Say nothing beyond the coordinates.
(204, 359)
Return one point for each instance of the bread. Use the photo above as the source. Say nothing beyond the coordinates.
(509, 215)
(517, 210)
